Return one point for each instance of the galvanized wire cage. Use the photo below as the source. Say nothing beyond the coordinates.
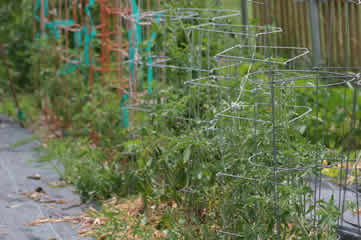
(286, 133)
(289, 114)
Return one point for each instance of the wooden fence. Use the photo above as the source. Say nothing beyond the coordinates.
(339, 27)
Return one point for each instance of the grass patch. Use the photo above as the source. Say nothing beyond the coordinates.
(27, 104)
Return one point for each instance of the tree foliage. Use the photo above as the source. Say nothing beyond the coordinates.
(16, 34)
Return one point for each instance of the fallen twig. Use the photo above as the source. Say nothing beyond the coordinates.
(72, 206)
(70, 219)
(33, 195)
(57, 184)
(15, 206)
(34, 177)
(59, 201)
(40, 196)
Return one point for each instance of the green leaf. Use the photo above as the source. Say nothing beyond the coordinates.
(187, 154)
(181, 221)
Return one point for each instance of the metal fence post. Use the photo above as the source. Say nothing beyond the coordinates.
(244, 15)
(244, 11)
(315, 33)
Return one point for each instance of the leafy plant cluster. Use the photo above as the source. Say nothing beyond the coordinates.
(174, 153)
(170, 156)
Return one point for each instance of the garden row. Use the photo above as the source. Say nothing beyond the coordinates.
(218, 119)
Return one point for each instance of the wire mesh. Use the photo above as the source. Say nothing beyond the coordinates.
(159, 63)
(287, 114)
(242, 88)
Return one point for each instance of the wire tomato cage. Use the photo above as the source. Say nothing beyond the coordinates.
(281, 102)
(286, 132)
(172, 59)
